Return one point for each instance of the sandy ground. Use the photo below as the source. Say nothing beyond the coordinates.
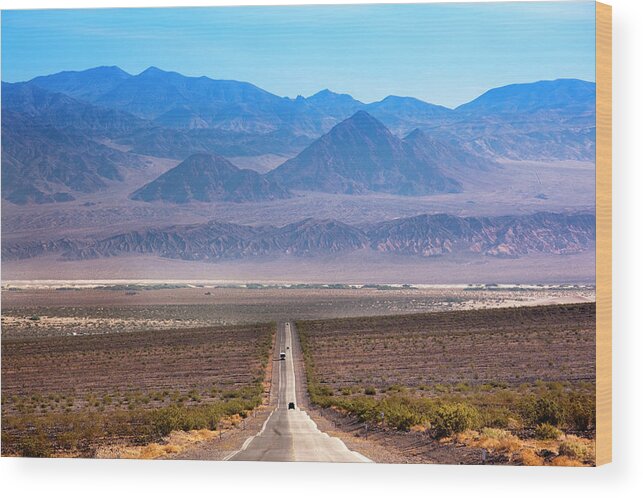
(357, 267)
(38, 308)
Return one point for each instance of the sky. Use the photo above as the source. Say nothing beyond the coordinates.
(442, 53)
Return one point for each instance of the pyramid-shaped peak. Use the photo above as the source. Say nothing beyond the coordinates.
(363, 120)
(363, 115)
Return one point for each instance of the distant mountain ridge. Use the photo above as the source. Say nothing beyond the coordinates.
(70, 120)
(553, 95)
(88, 85)
(172, 99)
(337, 105)
(503, 236)
(180, 102)
(544, 120)
(419, 236)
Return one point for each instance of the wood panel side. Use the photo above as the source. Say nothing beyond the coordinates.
(603, 233)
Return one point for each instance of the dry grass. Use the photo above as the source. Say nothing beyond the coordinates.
(175, 443)
(498, 440)
(564, 461)
(527, 456)
(577, 448)
(573, 451)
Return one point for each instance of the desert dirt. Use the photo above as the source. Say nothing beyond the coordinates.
(124, 364)
(498, 361)
(65, 395)
(357, 267)
(72, 308)
(103, 347)
(512, 345)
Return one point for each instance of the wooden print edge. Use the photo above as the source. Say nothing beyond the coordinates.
(603, 233)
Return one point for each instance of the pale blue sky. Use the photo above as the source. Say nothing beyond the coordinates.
(442, 53)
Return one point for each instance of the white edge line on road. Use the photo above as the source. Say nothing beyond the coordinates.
(249, 440)
(263, 427)
(356, 453)
(292, 362)
(292, 368)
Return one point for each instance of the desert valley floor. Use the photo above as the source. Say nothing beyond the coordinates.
(190, 370)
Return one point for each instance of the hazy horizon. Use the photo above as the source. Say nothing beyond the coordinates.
(446, 56)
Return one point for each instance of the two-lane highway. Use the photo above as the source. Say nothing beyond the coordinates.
(290, 435)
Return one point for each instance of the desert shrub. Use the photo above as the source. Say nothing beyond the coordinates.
(370, 391)
(163, 421)
(166, 420)
(69, 439)
(323, 401)
(495, 417)
(365, 408)
(453, 418)
(542, 410)
(324, 390)
(555, 387)
(35, 445)
(581, 413)
(493, 433)
(548, 411)
(398, 412)
(231, 394)
(498, 440)
(251, 392)
(573, 449)
(236, 407)
(462, 387)
(547, 431)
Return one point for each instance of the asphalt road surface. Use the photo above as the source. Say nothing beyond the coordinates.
(291, 435)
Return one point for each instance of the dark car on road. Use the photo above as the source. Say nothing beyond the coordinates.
(291, 406)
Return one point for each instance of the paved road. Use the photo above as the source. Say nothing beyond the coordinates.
(291, 435)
